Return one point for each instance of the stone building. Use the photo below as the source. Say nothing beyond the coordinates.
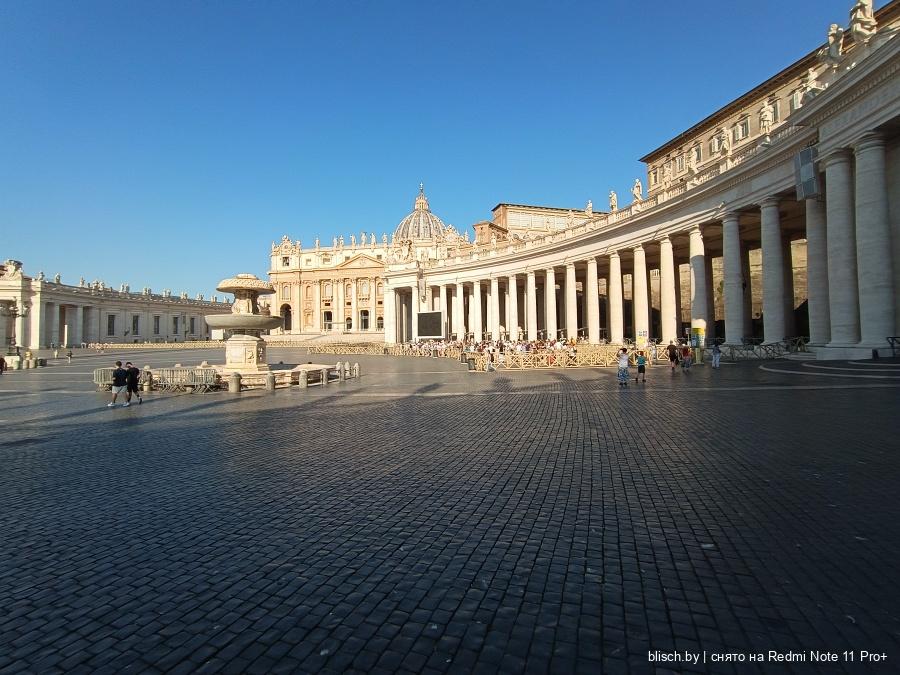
(39, 312)
(776, 216)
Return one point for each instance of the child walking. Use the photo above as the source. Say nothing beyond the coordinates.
(623, 367)
(642, 368)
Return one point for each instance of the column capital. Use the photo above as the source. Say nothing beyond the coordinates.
(868, 141)
(529, 273)
(592, 261)
(731, 215)
(664, 240)
(614, 254)
(570, 264)
(837, 156)
(768, 202)
(695, 229)
(638, 247)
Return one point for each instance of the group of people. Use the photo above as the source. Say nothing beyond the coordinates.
(125, 381)
(623, 363)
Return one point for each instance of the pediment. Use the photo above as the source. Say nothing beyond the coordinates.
(360, 261)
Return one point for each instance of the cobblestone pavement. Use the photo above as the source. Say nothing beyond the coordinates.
(427, 519)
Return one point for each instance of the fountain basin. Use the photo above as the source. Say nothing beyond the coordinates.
(242, 322)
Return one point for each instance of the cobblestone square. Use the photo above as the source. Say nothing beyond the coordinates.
(427, 519)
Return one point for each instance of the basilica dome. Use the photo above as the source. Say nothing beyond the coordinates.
(421, 224)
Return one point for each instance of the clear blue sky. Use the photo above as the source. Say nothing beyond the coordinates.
(168, 143)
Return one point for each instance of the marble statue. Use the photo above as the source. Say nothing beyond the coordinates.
(589, 209)
(334, 242)
(372, 239)
(81, 282)
(57, 279)
(613, 201)
(830, 54)
(667, 174)
(494, 239)
(466, 237)
(766, 117)
(40, 276)
(353, 240)
(570, 219)
(341, 241)
(637, 191)
(862, 22)
(811, 86)
(384, 238)
(724, 142)
(317, 243)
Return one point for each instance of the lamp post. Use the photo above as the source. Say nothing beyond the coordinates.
(13, 311)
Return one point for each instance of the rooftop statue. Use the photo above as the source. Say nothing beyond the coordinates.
(589, 209)
(862, 22)
(353, 240)
(40, 276)
(317, 243)
(637, 191)
(811, 86)
(830, 54)
(81, 282)
(613, 201)
(57, 279)
(766, 117)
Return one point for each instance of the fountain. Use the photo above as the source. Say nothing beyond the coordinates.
(245, 350)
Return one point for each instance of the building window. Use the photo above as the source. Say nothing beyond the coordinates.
(193, 326)
(380, 289)
(653, 177)
(308, 292)
(776, 110)
(379, 323)
(348, 292)
(328, 291)
(364, 320)
(135, 324)
(679, 163)
(796, 99)
(364, 289)
(285, 261)
(285, 292)
(741, 130)
(110, 324)
(156, 325)
(175, 325)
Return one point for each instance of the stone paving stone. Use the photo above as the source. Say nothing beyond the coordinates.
(424, 519)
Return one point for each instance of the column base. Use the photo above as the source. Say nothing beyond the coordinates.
(851, 352)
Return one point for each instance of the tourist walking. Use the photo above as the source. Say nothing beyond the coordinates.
(623, 367)
(686, 359)
(119, 384)
(672, 353)
(716, 355)
(2, 365)
(641, 368)
(132, 381)
(69, 356)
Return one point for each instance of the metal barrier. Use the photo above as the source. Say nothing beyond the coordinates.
(894, 342)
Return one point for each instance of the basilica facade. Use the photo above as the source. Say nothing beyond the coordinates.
(804, 166)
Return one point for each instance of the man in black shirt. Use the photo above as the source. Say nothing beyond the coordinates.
(134, 377)
(119, 382)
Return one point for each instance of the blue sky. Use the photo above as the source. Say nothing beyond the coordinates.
(168, 143)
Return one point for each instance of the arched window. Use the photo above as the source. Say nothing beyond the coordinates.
(308, 292)
(348, 291)
(364, 288)
(328, 290)
(348, 323)
(380, 289)
(285, 292)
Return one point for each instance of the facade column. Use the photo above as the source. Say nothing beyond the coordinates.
(338, 314)
(54, 322)
(734, 291)
(571, 302)
(843, 296)
(747, 287)
(78, 328)
(513, 305)
(34, 340)
(459, 317)
(592, 293)
(477, 324)
(442, 306)
(772, 272)
(790, 327)
(373, 304)
(817, 273)
(698, 280)
(495, 308)
(317, 306)
(550, 303)
(873, 243)
(667, 291)
(414, 311)
(531, 309)
(354, 305)
(390, 315)
(640, 298)
(616, 308)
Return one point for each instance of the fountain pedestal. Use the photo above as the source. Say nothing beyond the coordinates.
(245, 354)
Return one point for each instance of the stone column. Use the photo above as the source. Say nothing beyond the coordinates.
(78, 328)
(873, 244)
(734, 292)
(639, 297)
(817, 273)
(459, 317)
(698, 280)
(772, 272)
(495, 308)
(790, 328)
(414, 311)
(354, 305)
(34, 340)
(477, 324)
(442, 305)
(550, 303)
(616, 308)
(54, 322)
(338, 314)
(513, 308)
(390, 315)
(571, 302)
(667, 291)
(710, 299)
(531, 309)
(747, 287)
(317, 306)
(843, 296)
(373, 304)
(593, 301)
